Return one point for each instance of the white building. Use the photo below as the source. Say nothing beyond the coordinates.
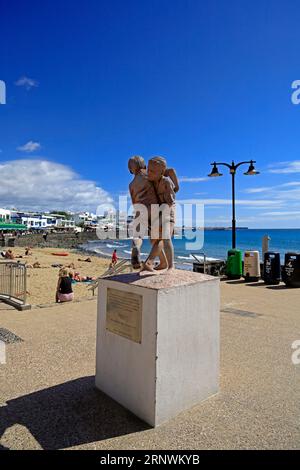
(51, 221)
(85, 218)
(35, 222)
(5, 215)
(58, 221)
(110, 216)
(65, 223)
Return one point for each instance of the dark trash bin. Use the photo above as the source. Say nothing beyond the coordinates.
(272, 268)
(291, 270)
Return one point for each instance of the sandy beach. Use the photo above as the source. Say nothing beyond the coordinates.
(41, 282)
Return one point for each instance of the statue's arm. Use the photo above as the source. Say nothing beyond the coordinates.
(131, 193)
(169, 192)
(171, 173)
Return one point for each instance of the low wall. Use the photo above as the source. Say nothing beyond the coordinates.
(54, 240)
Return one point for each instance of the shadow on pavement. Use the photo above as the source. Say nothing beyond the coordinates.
(261, 284)
(256, 284)
(69, 414)
(280, 287)
(235, 281)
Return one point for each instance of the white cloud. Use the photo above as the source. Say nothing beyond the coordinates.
(281, 191)
(41, 185)
(27, 83)
(290, 195)
(185, 179)
(29, 147)
(257, 190)
(292, 183)
(228, 202)
(279, 213)
(285, 167)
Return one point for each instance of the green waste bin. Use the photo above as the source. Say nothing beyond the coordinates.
(234, 265)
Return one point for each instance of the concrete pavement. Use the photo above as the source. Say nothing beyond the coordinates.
(48, 399)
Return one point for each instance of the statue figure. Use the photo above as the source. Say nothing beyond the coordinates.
(154, 190)
(142, 192)
(166, 185)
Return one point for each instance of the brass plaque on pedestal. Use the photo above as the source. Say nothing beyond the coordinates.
(124, 314)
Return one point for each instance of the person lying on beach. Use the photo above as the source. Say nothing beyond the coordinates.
(64, 292)
(78, 278)
(87, 260)
(9, 255)
(36, 264)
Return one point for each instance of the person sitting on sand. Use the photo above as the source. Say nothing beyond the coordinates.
(28, 251)
(76, 276)
(9, 255)
(64, 292)
(71, 266)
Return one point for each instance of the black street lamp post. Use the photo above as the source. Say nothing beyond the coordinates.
(232, 169)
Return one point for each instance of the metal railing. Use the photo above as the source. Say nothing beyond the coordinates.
(200, 261)
(116, 269)
(13, 281)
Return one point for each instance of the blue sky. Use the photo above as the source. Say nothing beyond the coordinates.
(91, 83)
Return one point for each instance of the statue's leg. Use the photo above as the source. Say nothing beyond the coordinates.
(157, 247)
(136, 252)
(169, 248)
(163, 263)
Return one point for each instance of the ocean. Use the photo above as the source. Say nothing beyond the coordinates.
(216, 244)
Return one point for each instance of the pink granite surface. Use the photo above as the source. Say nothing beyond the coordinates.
(175, 278)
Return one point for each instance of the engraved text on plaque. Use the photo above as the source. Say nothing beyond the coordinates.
(124, 314)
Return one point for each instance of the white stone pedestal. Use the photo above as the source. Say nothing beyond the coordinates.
(158, 342)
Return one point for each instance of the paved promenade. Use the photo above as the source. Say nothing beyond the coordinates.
(48, 399)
